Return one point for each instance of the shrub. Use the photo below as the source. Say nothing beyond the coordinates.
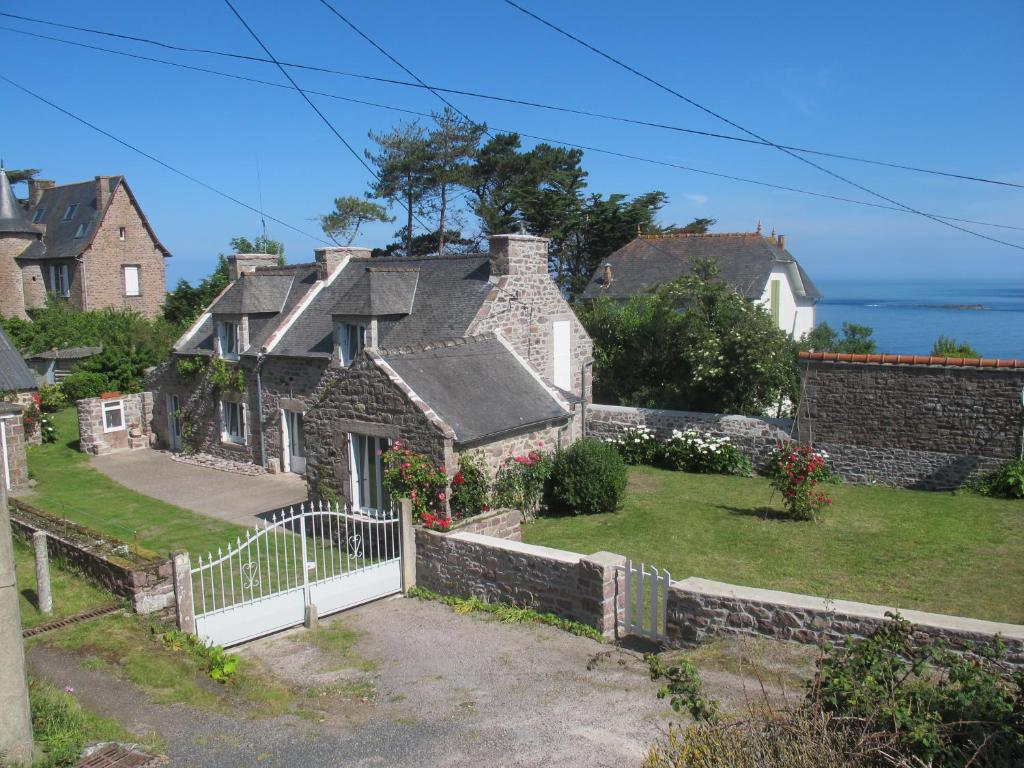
(82, 384)
(412, 476)
(691, 451)
(1006, 482)
(62, 728)
(637, 445)
(519, 483)
(30, 416)
(588, 477)
(52, 398)
(469, 487)
(795, 471)
(213, 660)
(47, 430)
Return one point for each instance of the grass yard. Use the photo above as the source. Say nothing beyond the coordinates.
(958, 554)
(69, 487)
(71, 593)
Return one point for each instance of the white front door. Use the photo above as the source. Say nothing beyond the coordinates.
(174, 422)
(294, 442)
(368, 494)
(561, 336)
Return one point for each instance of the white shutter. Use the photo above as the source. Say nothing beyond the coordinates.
(131, 281)
(561, 335)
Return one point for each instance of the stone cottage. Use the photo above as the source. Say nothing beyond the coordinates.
(89, 243)
(17, 393)
(315, 368)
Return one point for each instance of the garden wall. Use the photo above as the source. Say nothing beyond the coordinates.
(13, 458)
(698, 609)
(756, 437)
(134, 431)
(573, 586)
(912, 421)
(499, 523)
(143, 578)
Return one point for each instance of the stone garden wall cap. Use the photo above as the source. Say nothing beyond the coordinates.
(963, 362)
(109, 395)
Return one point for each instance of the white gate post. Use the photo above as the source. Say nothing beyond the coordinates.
(408, 543)
(43, 594)
(183, 600)
(309, 615)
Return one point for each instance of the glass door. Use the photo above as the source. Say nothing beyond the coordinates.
(174, 422)
(368, 494)
(295, 442)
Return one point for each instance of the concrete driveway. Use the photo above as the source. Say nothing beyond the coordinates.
(236, 498)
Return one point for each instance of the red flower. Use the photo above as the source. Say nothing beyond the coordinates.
(458, 479)
(441, 496)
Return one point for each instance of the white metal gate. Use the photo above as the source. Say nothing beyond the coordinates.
(646, 600)
(321, 556)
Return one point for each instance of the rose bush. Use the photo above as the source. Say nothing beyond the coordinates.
(470, 487)
(519, 483)
(412, 476)
(796, 471)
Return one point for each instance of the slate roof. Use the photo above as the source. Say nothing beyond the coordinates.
(68, 353)
(380, 291)
(477, 386)
(254, 294)
(745, 260)
(14, 374)
(13, 218)
(448, 293)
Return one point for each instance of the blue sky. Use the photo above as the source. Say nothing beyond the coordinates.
(932, 84)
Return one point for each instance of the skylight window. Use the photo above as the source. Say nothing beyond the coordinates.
(70, 212)
(38, 216)
(82, 229)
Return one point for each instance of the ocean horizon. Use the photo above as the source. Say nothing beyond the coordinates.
(907, 316)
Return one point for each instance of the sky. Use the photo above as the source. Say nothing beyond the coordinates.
(935, 85)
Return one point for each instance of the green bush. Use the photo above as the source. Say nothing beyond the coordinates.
(1006, 482)
(62, 728)
(519, 483)
(52, 398)
(691, 451)
(637, 445)
(82, 384)
(589, 477)
(469, 487)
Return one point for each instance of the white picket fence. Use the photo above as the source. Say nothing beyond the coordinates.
(645, 600)
(319, 555)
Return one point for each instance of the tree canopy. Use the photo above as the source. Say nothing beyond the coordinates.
(349, 214)
(855, 339)
(946, 346)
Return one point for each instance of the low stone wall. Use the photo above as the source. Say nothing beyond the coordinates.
(756, 437)
(13, 459)
(135, 430)
(698, 609)
(573, 586)
(905, 467)
(141, 577)
(499, 523)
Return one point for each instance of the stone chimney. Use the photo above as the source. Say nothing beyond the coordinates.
(102, 192)
(782, 242)
(240, 263)
(518, 255)
(330, 258)
(606, 275)
(36, 187)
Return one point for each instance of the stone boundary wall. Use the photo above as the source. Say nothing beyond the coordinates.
(698, 609)
(16, 459)
(913, 424)
(143, 579)
(499, 523)
(573, 586)
(756, 437)
(137, 428)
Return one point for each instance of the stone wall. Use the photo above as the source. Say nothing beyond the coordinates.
(699, 609)
(499, 523)
(12, 291)
(142, 578)
(756, 437)
(135, 431)
(542, 440)
(578, 587)
(14, 461)
(911, 424)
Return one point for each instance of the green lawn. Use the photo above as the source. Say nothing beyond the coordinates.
(959, 554)
(71, 593)
(68, 486)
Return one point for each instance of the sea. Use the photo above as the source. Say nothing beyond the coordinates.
(908, 316)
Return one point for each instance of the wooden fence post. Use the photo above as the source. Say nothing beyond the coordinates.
(408, 538)
(185, 608)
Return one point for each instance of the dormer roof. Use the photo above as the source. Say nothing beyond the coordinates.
(380, 291)
(13, 218)
(255, 294)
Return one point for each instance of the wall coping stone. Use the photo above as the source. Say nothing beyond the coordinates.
(808, 602)
(549, 553)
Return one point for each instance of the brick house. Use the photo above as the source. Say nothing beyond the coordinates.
(314, 368)
(88, 243)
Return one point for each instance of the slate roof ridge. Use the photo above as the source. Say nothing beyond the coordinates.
(430, 257)
(454, 341)
(285, 269)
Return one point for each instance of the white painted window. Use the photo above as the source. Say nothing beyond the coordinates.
(121, 233)
(368, 494)
(59, 280)
(350, 338)
(131, 281)
(82, 229)
(232, 422)
(113, 415)
(70, 212)
(561, 340)
(227, 334)
(38, 216)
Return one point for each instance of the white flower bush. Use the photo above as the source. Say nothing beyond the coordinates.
(688, 450)
(637, 445)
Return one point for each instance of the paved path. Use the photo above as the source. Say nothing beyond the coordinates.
(225, 495)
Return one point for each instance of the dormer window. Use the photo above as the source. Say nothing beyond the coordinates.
(227, 335)
(38, 215)
(82, 229)
(350, 339)
(70, 212)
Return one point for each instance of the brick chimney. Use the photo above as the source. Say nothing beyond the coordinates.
(36, 187)
(240, 263)
(330, 258)
(782, 242)
(606, 275)
(102, 192)
(518, 255)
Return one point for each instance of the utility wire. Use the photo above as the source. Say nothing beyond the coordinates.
(727, 121)
(437, 90)
(158, 161)
(613, 153)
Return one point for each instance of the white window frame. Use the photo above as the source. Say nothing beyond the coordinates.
(226, 435)
(82, 230)
(38, 215)
(109, 406)
(122, 233)
(69, 214)
(362, 449)
(222, 326)
(138, 279)
(60, 280)
(350, 339)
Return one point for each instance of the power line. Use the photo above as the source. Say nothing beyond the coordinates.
(437, 90)
(158, 161)
(751, 133)
(561, 142)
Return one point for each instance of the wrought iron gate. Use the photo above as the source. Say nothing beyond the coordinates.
(322, 556)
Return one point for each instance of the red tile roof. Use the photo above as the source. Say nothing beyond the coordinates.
(963, 362)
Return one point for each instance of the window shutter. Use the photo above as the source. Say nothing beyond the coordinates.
(131, 281)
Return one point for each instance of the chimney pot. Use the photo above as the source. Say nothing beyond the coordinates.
(330, 258)
(518, 255)
(102, 192)
(782, 241)
(243, 263)
(607, 275)
(36, 187)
